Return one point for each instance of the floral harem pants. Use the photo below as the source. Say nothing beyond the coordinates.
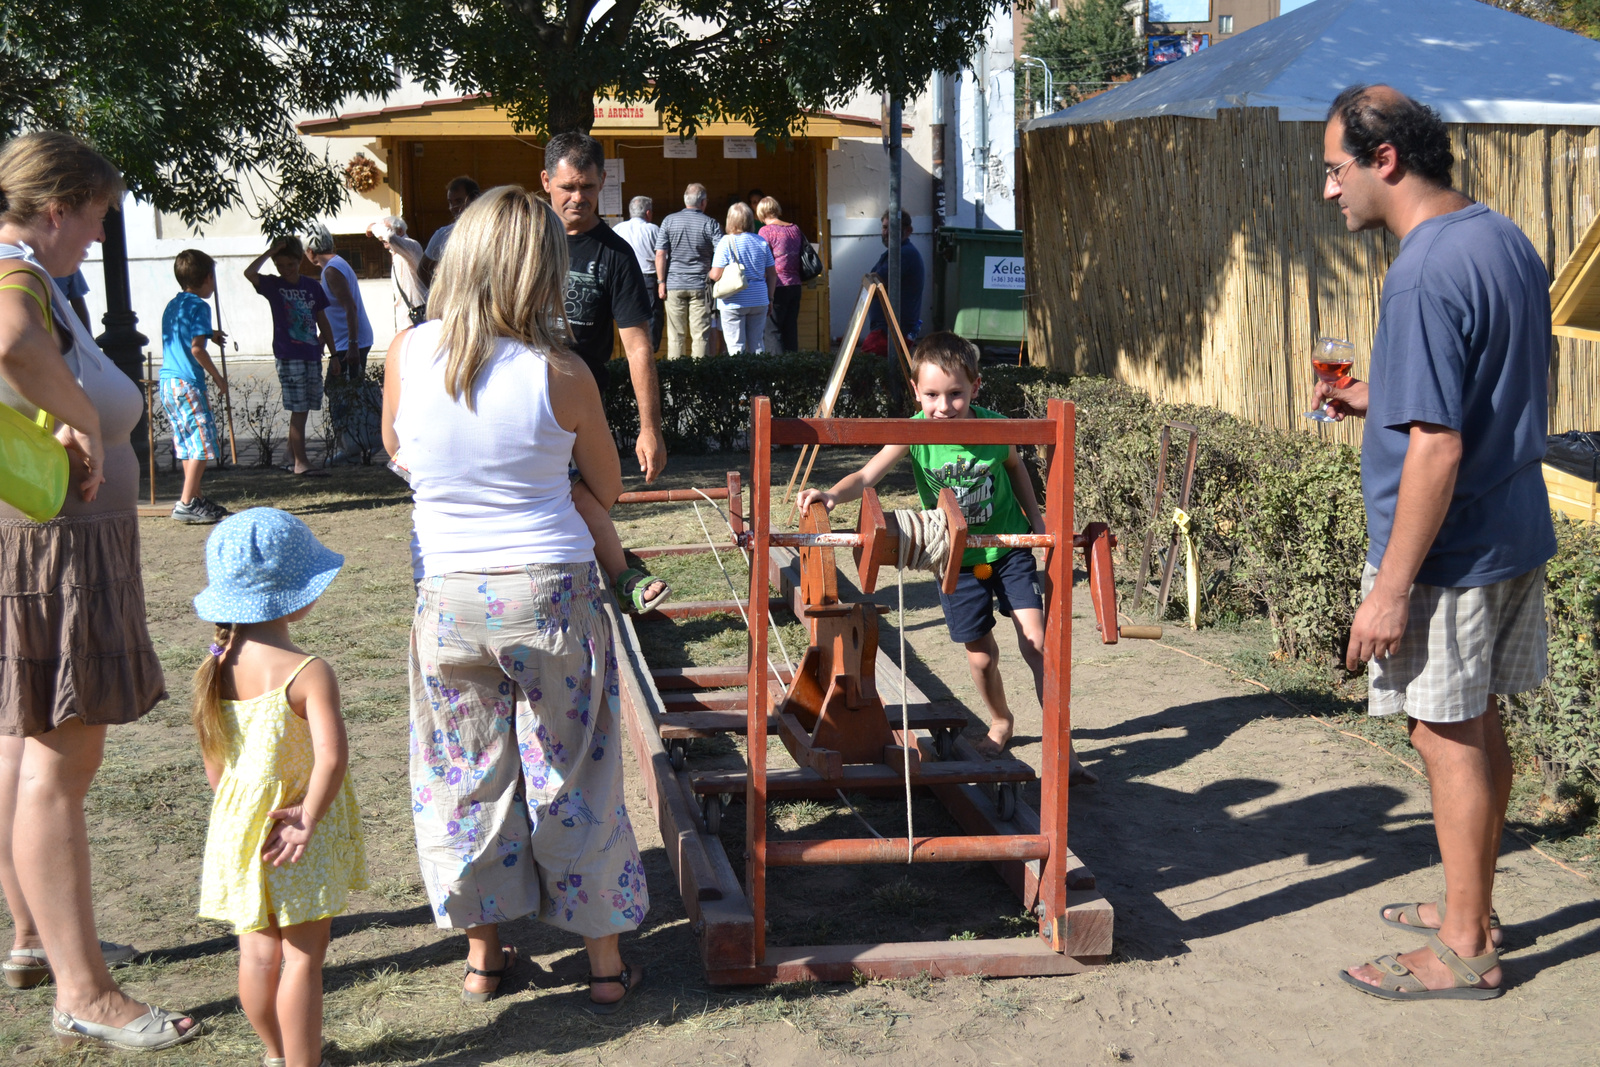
(516, 759)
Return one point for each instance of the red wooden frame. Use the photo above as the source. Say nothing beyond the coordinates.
(1030, 849)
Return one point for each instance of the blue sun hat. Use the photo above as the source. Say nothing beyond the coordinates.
(263, 564)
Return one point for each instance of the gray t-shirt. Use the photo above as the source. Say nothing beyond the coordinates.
(1464, 342)
(688, 237)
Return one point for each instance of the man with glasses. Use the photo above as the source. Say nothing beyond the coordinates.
(1457, 515)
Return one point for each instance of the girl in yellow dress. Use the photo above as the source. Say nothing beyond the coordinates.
(284, 848)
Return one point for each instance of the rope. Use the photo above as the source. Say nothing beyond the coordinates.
(858, 815)
(729, 579)
(924, 541)
(776, 630)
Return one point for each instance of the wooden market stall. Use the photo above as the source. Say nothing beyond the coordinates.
(425, 145)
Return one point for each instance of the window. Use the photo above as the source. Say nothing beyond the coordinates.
(1224, 24)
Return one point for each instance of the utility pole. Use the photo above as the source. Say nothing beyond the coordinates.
(895, 238)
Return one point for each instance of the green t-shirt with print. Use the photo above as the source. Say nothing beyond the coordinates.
(978, 475)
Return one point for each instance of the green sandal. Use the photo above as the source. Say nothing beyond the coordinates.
(1410, 918)
(1400, 984)
(631, 587)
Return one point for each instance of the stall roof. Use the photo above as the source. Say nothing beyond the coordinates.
(1469, 60)
(476, 116)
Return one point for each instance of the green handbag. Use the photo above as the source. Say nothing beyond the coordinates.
(33, 465)
(34, 468)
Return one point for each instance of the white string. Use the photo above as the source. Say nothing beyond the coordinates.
(729, 579)
(776, 630)
(858, 815)
(906, 740)
(929, 543)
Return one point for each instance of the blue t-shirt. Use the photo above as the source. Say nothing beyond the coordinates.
(186, 317)
(911, 276)
(1464, 342)
(73, 285)
(754, 257)
(294, 315)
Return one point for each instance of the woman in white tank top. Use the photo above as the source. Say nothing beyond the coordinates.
(516, 771)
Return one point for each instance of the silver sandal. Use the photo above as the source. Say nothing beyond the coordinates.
(156, 1029)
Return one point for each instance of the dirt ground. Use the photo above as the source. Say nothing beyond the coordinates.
(1245, 849)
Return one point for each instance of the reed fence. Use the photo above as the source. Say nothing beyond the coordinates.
(1196, 259)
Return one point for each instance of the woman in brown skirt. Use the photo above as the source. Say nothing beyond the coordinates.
(75, 656)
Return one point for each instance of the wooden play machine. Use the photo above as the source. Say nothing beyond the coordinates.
(834, 722)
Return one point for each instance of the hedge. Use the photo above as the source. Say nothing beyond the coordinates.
(1279, 517)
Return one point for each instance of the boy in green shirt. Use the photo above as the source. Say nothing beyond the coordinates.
(944, 368)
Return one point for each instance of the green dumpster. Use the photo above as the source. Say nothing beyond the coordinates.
(979, 282)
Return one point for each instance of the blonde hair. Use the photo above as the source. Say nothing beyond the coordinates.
(769, 208)
(49, 167)
(209, 724)
(504, 274)
(740, 219)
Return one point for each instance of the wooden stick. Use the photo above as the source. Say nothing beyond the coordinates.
(227, 397)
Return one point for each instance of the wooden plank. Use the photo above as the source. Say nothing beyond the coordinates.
(665, 496)
(692, 609)
(687, 702)
(699, 677)
(1055, 759)
(789, 782)
(711, 723)
(677, 821)
(911, 432)
(996, 958)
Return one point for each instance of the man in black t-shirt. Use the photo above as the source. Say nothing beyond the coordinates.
(604, 285)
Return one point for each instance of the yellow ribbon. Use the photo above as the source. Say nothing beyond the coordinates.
(1191, 562)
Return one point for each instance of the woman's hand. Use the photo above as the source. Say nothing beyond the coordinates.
(87, 453)
(290, 835)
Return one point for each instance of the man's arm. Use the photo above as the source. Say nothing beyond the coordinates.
(651, 447)
(325, 335)
(339, 292)
(1427, 482)
(661, 273)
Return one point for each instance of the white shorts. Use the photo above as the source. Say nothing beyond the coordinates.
(1461, 644)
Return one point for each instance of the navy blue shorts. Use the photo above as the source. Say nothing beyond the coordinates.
(1013, 583)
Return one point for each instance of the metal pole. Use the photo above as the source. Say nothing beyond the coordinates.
(896, 236)
(122, 342)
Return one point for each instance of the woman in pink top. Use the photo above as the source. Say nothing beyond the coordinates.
(786, 241)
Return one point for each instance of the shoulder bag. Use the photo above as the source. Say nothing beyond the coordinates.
(34, 468)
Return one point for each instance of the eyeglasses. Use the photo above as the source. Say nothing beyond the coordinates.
(1331, 173)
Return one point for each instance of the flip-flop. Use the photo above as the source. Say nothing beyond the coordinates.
(1413, 913)
(508, 963)
(630, 979)
(1399, 983)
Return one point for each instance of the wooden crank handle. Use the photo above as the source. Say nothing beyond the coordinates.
(1143, 633)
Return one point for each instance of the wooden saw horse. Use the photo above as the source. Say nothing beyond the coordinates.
(833, 721)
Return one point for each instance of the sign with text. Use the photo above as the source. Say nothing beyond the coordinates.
(609, 112)
(673, 148)
(738, 148)
(1004, 272)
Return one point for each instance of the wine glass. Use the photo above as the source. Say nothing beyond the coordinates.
(1331, 358)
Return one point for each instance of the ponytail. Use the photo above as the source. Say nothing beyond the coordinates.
(208, 721)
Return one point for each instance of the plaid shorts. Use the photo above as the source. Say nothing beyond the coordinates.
(194, 433)
(1461, 644)
(302, 384)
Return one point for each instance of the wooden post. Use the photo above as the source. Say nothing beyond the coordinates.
(1056, 762)
(756, 685)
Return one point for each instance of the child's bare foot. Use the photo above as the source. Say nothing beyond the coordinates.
(995, 741)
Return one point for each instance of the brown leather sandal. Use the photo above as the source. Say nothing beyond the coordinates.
(1410, 918)
(508, 963)
(1399, 983)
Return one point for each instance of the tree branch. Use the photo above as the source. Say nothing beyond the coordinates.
(577, 18)
(618, 21)
(533, 11)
